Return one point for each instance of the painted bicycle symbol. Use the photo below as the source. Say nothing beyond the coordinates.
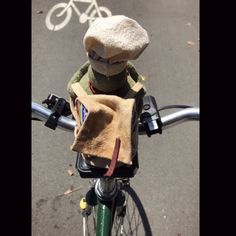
(60, 14)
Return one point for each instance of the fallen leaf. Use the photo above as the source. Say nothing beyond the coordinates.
(70, 172)
(188, 24)
(68, 192)
(71, 190)
(190, 43)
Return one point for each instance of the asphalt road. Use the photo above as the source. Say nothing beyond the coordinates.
(167, 182)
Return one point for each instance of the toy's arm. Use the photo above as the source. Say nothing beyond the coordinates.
(133, 73)
(138, 78)
(76, 78)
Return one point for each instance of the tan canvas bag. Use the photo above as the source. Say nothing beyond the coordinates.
(108, 117)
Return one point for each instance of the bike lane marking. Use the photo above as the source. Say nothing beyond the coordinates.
(85, 15)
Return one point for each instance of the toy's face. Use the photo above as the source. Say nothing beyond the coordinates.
(105, 66)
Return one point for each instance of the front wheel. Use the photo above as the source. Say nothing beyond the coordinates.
(105, 12)
(129, 219)
(54, 20)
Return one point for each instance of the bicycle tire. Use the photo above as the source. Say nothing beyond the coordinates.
(90, 223)
(56, 27)
(134, 222)
(105, 12)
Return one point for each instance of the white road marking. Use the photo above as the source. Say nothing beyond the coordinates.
(91, 13)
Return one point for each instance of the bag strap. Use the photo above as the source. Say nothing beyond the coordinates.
(114, 159)
(134, 90)
(78, 89)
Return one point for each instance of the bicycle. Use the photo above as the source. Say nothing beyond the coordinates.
(65, 9)
(105, 206)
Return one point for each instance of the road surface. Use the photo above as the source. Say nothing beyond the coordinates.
(167, 182)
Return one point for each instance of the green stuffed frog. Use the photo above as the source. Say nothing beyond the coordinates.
(110, 44)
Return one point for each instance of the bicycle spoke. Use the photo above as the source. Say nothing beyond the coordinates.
(94, 219)
(132, 221)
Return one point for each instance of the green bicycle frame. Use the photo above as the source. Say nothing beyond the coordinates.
(106, 195)
(104, 218)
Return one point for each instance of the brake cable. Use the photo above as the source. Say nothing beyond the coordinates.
(174, 106)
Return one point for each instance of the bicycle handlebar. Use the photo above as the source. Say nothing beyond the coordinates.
(42, 113)
(185, 113)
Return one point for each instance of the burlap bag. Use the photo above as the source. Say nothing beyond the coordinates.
(108, 117)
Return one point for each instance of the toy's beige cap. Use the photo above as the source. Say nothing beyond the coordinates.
(110, 42)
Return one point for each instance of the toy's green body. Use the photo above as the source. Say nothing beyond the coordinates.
(110, 44)
(86, 78)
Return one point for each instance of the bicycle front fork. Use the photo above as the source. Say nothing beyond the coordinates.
(108, 198)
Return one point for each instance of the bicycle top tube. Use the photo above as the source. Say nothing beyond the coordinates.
(42, 113)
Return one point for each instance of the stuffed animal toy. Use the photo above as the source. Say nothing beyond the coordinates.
(106, 92)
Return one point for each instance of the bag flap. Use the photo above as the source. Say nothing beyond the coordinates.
(108, 117)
